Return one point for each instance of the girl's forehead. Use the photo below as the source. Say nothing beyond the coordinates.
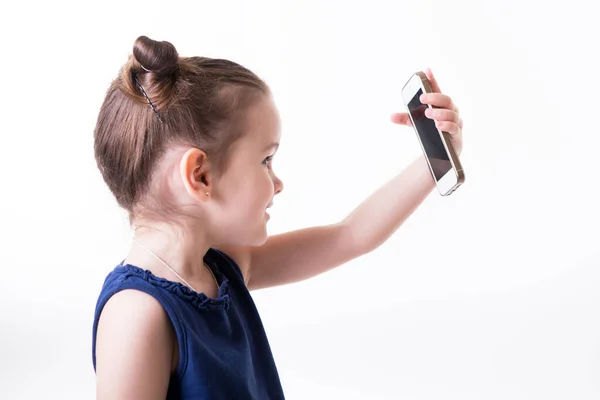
(263, 124)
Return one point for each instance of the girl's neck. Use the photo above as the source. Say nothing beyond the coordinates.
(182, 253)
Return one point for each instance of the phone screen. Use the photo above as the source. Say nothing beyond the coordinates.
(430, 137)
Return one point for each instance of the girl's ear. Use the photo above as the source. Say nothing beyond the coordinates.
(195, 173)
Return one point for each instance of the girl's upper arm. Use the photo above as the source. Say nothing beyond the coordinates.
(134, 348)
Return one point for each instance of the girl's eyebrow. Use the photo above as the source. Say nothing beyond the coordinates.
(272, 145)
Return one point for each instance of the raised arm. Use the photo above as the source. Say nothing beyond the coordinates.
(301, 254)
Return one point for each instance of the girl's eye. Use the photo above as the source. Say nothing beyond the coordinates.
(267, 161)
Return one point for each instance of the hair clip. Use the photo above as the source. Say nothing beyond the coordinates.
(148, 99)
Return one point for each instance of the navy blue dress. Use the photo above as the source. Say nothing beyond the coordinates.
(223, 349)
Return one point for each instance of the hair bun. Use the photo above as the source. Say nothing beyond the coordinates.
(154, 56)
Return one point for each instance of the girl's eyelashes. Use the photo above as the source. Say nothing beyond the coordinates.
(267, 161)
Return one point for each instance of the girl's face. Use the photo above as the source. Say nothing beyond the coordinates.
(247, 188)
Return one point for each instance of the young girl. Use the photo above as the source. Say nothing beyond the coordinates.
(186, 145)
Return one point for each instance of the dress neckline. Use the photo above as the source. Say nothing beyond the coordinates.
(198, 299)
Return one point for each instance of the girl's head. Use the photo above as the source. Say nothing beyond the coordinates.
(187, 142)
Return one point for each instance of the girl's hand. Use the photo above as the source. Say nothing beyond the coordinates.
(447, 117)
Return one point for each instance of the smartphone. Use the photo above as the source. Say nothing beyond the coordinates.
(441, 157)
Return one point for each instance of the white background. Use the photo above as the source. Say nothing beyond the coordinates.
(491, 293)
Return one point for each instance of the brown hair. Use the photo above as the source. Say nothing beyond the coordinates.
(200, 100)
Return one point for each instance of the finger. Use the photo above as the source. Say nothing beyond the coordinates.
(401, 119)
(439, 100)
(432, 81)
(442, 114)
(446, 126)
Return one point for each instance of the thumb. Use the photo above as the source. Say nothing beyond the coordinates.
(432, 81)
(401, 119)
